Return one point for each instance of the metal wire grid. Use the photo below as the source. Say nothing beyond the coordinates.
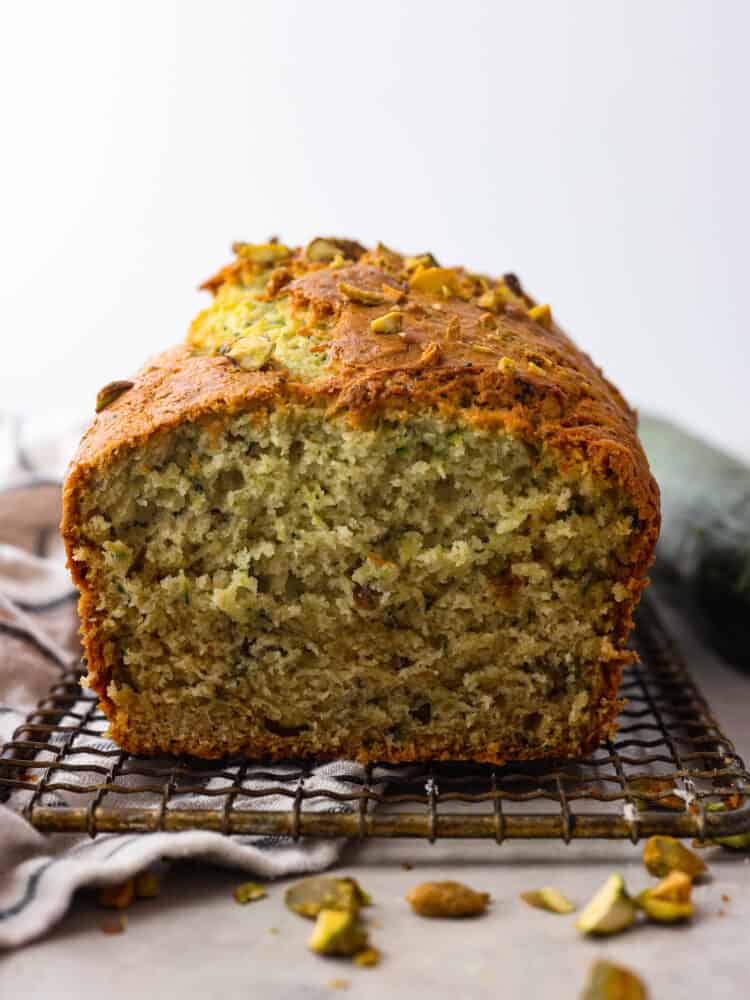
(668, 763)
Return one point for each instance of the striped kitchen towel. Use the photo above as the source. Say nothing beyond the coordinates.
(38, 640)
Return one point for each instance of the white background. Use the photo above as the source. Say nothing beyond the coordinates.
(599, 148)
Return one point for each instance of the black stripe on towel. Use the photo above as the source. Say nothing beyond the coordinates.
(56, 602)
(31, 484)
(20, 633)
(30, 890)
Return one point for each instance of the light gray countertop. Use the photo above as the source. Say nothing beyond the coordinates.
(196, 942)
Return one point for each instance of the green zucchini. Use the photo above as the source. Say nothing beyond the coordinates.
(705, 539)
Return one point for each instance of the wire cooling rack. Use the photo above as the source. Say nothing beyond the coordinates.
(669, 770)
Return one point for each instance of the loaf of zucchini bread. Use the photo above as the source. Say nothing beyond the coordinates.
(373, 507)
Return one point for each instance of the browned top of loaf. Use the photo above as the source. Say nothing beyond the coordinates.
(469, 348)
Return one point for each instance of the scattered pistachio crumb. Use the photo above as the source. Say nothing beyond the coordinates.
(249, 892)
(447, 899)
(610, 911)
(308, 897)
(655, 785)
(669, 901)
(662, 855)
(147, 885)
(407, 867)
(506, 365)
(367, 957)
(337, 932)
(735, 842)
(115, 925)
(607, 981)
(117, 897)
(548, 898)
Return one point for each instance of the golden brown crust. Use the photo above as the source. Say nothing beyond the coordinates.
(493, 369)
(264, 744)
(266, 747)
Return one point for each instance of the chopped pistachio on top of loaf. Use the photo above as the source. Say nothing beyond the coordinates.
(373, 507)
(262, 314)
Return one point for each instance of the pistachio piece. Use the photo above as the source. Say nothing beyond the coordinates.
(114, 925)
(669, 901)
(431, 354)
(446, 899)
(662, 855)
(734, 841)
(478, 280)
(321, 251)
(249, 892)
(147, 885)
(733, 801)
(653, 785)
(362, 296)
(437, 281)
(110, 392)
(420, 260)
(496, 299)
(506, 365)
(453, 329)
(324, 249)
(392, 294)
(367, 957)
(541, 315)
(251, 353)
(390, 322)
(337, 932)
(324, 892)
(264, 254)
(610, 911)
(607, 981)
(117, 897)
(548, 898)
